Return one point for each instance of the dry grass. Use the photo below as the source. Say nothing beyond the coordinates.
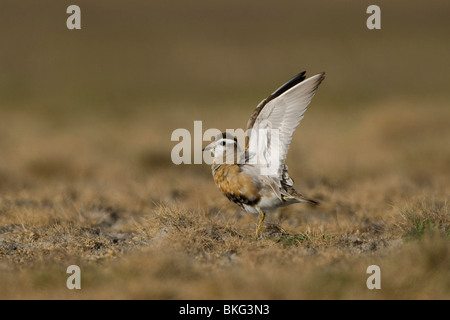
(139, 229)
(86, 176)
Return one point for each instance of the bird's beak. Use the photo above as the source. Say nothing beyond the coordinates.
(208, 147)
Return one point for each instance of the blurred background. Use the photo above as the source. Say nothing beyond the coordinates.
(169, 63)
(86, 116)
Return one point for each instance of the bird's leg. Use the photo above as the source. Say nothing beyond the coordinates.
(261, 221)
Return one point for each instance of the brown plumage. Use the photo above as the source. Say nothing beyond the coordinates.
(236, 185)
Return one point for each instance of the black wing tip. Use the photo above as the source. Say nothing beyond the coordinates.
(285, 87)
(322, 76)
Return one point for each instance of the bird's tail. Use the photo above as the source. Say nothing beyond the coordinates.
(310, 201)
(298, 197)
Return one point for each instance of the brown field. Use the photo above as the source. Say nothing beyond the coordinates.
(86, 176)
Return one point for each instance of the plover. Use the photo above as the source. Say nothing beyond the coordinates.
(241, 179)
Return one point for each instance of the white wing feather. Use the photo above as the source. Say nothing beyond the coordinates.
(283, 113)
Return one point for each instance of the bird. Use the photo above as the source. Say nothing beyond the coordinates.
(238, 172)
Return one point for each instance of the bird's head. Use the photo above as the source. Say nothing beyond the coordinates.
(225, 148)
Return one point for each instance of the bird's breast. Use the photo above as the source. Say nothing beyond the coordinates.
(237, 185)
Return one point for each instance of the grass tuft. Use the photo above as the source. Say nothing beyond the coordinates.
(426, 217)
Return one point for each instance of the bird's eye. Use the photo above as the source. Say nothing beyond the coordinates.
(223, 142)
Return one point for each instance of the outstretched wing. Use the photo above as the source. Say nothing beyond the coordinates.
(281, 111)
